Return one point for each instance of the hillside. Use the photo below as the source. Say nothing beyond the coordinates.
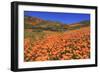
(49, 40)
(37, 23)
(74, 44)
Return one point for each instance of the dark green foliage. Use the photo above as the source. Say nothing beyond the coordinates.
(27, 26)
(86, 22)
(53, 58)
(75, 57)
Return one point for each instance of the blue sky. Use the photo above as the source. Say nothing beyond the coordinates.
(65, 18)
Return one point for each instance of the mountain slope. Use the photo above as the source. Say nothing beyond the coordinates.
(37, 23)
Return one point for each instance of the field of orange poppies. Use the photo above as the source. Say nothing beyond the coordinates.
(73, 44)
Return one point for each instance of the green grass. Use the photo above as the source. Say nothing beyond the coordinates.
(34, 35)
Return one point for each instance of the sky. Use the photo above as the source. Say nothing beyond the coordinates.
(65, 18)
